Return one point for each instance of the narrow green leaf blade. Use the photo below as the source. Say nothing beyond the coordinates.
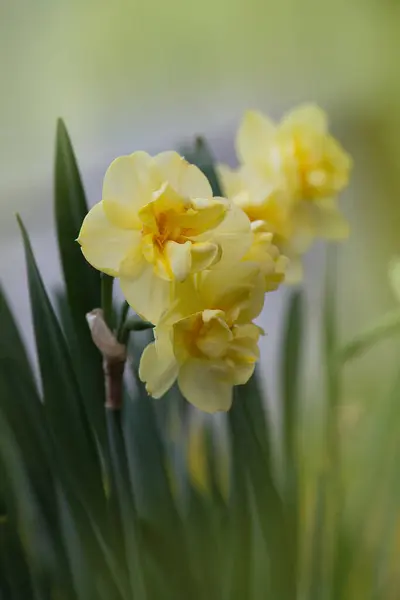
(11, 344)
(63, 402)
(269, 504)
(82, 282)
(290, 373)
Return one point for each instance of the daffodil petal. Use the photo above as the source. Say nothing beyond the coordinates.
(215, 341)
(157, 370)
(128, 185)
(309, 115)
(295, 271)
(242, 373)
(178, 258)
(254, 138)
(203, 387)
(134, 262)
(104, 245)
(204, 254)
(205, 215)
(148, 295)
(218, 289)
(187, 180)
(233, 235)
(231, 181)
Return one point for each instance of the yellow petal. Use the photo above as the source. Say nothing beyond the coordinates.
(394, 276)
(166, 199)
(178, 259)
(187, 180)
(231, 181)
(103, 244)
(294, 272)
(205, 214)
(254, 138)
(308, 115)
(233, 235)
(157, 370)
(202, 386)
(204, 254)
(128, 185)
(148, 295)
(245, 291)
(242, 373)
(215, 341)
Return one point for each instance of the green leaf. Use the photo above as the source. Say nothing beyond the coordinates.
(200, 155)
(270, 508)
(11, 344)
(332, 451)
(241, 525)
(72, 435)
(82, 282)
(161, 522)
(317, 581)
(290, 374)
(126, 505)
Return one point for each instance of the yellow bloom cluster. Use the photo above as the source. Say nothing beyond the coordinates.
(198, 266)
(288, 179)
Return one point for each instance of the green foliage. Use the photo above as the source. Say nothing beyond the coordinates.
(106, 504)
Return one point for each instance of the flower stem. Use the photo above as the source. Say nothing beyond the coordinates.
(106, 298)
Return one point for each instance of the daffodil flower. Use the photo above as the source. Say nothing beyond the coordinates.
(213, 348)
(288, 179)
(310, 162)
(157, 223)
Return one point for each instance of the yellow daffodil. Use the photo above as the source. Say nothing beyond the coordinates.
(213, 348)
(288, 180)
(157, 223)
(309, 161)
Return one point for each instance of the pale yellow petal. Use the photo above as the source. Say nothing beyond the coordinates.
(242, 373)
(308, 115)
(178, 258)
(157, 370)
(202, 386)
(205, 214)
(394, 276)
(233, 235)
(204, 254)
(134, 262)
(295, 271)
(254, 138)
(128, 185)
(186, 179)
(218, 289)
(104, 245)
(231, 181)
(321, 219)
(214, 342)
(148, 295)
